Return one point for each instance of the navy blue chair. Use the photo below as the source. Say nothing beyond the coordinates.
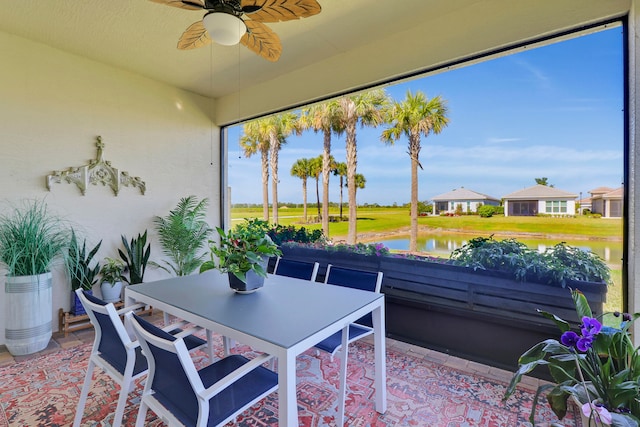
(357, 279)
(116, 353)
(181, 395)
(297, 269)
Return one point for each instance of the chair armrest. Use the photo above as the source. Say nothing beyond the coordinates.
(130, 308)
(234, 376)
(187, 332)
(174, 325)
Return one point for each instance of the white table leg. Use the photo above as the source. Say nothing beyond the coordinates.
(380, 359)
(287, 399)
(342, 393)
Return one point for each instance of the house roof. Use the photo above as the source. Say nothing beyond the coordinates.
(540, 192)
(614, 194)
(462, 194)
(601, 190)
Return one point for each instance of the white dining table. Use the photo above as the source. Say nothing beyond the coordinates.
(284, 318)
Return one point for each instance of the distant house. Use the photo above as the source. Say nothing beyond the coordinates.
(607, 201)
(539, 199)
(585, 204)
(461, 199)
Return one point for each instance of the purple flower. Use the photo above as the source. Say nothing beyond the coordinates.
(590, 326)
(584, 343)
(569, 338)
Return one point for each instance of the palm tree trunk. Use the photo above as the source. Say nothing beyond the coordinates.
(265, 184)
(304, 199)
(341, 186)
(273, 159)
(318, 195)
(415, 152)
(325, 182)
(352, 160)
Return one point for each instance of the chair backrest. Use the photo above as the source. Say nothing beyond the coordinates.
(351, 278)
(172, 375)
(357, 279)
(111, 337)
(298, 269)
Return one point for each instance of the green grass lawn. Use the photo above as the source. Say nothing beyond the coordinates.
(384, 220)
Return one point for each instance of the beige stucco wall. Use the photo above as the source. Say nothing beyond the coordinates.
(52, 107)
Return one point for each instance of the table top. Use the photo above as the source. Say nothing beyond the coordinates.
(284, 312)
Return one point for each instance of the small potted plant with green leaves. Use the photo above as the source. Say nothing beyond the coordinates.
(135, 256)
(81, 274)
(111, 281)
(242, 253)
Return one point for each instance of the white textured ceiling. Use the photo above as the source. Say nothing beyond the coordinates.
(350, 44)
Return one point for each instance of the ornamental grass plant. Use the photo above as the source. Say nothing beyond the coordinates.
(598, 366)
(32, 239)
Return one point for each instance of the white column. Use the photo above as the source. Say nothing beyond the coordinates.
(634, 170)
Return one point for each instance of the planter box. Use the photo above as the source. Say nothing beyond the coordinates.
(479, 315)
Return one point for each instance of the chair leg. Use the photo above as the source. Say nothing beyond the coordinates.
(210, 351)
(142, 414)
(344, 355)
(125, 387)
(83, 394)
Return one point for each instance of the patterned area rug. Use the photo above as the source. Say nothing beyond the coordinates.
(44, 391)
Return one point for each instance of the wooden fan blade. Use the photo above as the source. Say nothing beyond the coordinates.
(262, 40)
(280, 10)
(195, 36)
(188, 4)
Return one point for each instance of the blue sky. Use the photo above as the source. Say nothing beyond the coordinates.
(554, 111)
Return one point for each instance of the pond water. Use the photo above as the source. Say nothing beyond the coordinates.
(443, 244)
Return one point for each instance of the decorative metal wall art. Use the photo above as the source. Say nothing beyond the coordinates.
(98, 171)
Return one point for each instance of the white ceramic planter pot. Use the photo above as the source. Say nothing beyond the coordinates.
(28, 318)
(111, 293)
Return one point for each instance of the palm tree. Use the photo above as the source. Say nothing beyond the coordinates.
(413, 117)
(361, 181)
(273, 131)
(340, 169)
(368, 109)
(323, 118)
(251, 142)
(316, 170)
(302, 169)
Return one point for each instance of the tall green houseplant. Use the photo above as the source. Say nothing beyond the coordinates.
(183, 235)
(81, 274)
(32, 239)
(136, 257)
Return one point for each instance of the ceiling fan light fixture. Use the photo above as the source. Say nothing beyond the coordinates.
(224, 28)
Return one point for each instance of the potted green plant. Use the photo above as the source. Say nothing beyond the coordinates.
(183, 234)
(598, 367)
(81, 274)
(32, 239)
(136, 257)
(111, 279)
(243, 253)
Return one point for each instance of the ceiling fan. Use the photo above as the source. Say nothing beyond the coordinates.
(229, 22)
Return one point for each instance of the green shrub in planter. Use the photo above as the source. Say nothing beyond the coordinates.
(558, 264)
